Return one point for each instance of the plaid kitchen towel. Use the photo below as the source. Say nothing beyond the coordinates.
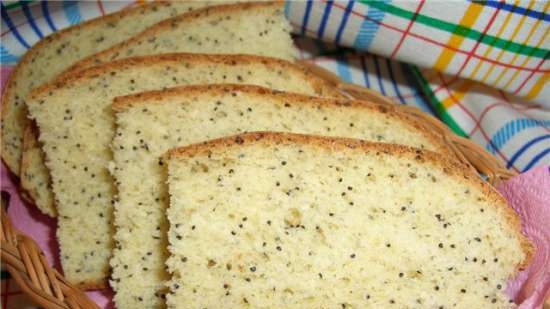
(504, 45)
(481, 67)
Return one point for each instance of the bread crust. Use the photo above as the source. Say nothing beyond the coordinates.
(30, 142)
(448, 166)
(185, 18)
(73, 78)
(8, 92)
(144, 98)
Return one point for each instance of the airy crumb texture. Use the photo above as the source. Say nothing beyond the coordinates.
(152, 123)
(58, 51)
(258, 28)
(286, 221)
(35, 178)
(77, 134)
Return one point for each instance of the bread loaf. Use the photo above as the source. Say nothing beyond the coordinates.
(58, 51)
(292, 221)
(77, 134)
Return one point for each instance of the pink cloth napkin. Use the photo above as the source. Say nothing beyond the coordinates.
(529, 195)
(5, 71)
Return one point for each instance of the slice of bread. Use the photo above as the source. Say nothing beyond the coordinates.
(77, 134)
(292, 221)
(148, 124)
(234, 28)
(58, 51)
(35, 178)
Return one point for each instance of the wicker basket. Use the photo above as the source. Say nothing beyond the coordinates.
(47, 287)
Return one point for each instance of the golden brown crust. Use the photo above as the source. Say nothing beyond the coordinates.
(7, 103)
(72, 78)
(29, 138)
(323, 73)
(122, 103)
(448, 166)
(184, 18)
(4, 109)
(29, 142)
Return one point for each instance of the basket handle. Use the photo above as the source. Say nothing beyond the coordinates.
(465, 150)
(28, 266)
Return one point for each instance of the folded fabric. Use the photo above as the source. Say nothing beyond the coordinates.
(514, 130)
(484, 67)
(499, 44)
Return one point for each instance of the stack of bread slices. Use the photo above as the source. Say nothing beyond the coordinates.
(191, 162)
